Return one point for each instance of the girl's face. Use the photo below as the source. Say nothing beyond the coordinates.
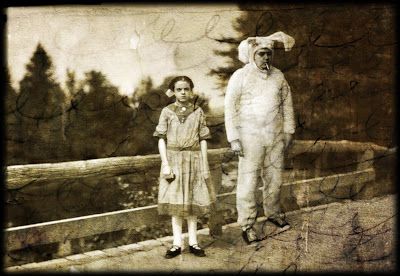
(183, 92)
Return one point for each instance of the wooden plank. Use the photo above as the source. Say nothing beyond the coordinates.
(322, 190)
(20, 175)
(61, 230)
(309, 146)
(309, 192)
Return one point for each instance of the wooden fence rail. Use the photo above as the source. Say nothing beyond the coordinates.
(22, 175)
(321, 189)
(296, 194)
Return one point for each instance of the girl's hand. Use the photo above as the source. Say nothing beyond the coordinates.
(166, 169)
(168, 173)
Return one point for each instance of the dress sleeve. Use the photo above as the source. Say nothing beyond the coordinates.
(162, 127)
(204, 131)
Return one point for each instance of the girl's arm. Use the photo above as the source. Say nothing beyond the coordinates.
(203, 148)
(162, 148)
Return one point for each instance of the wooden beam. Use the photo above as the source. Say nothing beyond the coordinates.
(66, 229)
(310, 192)
(315, 189)
(21, 175)
(309, 146)
(322, 190)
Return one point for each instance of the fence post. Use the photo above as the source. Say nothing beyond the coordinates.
(365, 159)
(320, 164)
(64, 248)
(216, 218)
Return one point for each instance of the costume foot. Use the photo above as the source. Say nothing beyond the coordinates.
(279, 221)
(250, 235)
(173, 252)
(195, 249)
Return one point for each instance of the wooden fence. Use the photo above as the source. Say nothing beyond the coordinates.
(319, 189)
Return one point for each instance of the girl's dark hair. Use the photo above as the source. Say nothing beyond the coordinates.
(180, 78)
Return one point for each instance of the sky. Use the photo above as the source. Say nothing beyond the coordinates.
(173, 39)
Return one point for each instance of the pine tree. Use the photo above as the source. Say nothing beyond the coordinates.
(71, 83)
(12, 125)
(99, 119)
(41, 104)
(11, 96)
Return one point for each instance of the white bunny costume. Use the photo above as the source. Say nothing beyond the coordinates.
(258, 111)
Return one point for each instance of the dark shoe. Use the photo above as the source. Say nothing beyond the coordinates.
(173, 252)
(250, 235)
(279, 221)
(196, 250)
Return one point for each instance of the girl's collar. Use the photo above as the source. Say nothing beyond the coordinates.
(181, 105)
(182, 109)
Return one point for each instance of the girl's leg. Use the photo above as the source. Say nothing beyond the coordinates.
(192, 229)
(177, 230)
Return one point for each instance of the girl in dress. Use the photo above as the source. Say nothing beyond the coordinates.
(184, 190)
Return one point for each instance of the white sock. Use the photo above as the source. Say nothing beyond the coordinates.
(192, 229)
(177, 230)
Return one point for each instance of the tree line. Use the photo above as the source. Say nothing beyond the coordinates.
(88, 119)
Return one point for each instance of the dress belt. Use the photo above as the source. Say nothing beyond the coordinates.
(190, 148)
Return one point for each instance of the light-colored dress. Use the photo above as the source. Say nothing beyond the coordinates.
(189, 193)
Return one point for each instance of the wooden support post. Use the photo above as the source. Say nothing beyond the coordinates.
(319, 163)
(64, 248)
(365, 160)
(216, 218)
(81, 242)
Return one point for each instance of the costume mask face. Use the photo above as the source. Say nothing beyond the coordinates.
(263, 58)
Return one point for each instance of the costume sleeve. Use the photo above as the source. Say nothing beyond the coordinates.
(204, 131)
(288, 113)
(162, 127)
(232, 97)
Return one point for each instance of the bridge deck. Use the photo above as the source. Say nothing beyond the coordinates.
(347, 236)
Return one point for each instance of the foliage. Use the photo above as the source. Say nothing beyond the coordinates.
(40, 104)
(99, 119)
(13, 123)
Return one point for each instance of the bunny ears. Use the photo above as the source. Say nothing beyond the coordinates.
(255, 43)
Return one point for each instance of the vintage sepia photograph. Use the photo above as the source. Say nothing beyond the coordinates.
(200, 137)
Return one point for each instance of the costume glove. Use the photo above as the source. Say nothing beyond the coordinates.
(236, 147)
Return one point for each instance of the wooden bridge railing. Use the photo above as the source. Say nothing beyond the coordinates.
(296, 194)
